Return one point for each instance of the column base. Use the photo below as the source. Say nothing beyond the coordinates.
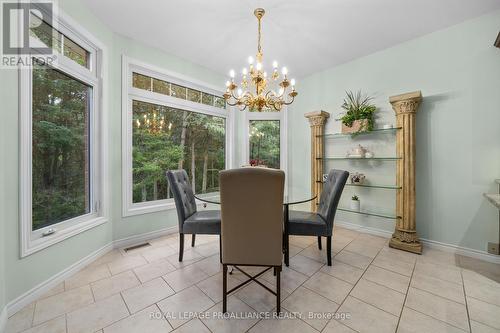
(406, 241)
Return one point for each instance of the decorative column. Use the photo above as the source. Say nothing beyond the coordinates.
(405, 236)
(317, 120)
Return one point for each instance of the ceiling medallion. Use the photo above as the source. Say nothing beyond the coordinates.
(257, 91)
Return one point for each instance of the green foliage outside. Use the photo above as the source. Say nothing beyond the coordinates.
(265, 143)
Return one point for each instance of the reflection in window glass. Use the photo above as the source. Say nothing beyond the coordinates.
(194, 95)
(142, 82)
(60, 148)
(207, 99)
(264, 136)
(166, 138)
(220, 102)
(161, 87)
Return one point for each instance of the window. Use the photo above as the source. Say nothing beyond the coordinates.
(170, 123)
(61, 140)
(264, 137)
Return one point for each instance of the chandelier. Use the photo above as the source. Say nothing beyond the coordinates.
(252, 91)
(153, 124)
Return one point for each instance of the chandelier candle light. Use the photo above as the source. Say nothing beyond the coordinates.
(252, 91)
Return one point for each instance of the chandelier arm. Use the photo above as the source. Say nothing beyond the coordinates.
(290, 102)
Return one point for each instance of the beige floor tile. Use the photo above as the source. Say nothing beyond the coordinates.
(343, 271)
(329, 287)
(207, 249)
(113, 285)
(348, 233)
(193, 326)
(54, 306)
(479, 278)
(438, 257)
(125, 263)
(482, 328)
(290, 279)
(334, 326)
(339, 242)
(353, 259)
(379, 296)
(302, 241)
(482, 291)
(158, 253)
(397, 266)
(446, 289)
(387, 278)
(190, 256)
(485, 313)
(440, 308)
(98, 315)
(399, 255)
(359, 246)
(21, 320)
(239, 317)
(443, 272)
(56, 325)
(259, 298)
(372, 240)
(148, 320)
(415, 322)
(304, 265)
(288, 325)
(189, 300)
(184, 277)
(488, 270)
(54, 291)
(87, 275)
(213, 286)
(153, 270)
(294, 250)
(210, 265)
(312, 252)
(315, 310)
(364, 317)
(146, 294)
(107, 258)
(171, 240)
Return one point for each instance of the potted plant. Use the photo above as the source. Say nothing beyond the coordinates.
(359, 113)
(355, 205)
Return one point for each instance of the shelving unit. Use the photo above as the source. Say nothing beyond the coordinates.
(405, 107)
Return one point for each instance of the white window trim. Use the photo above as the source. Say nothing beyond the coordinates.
(32, 241)
(282, 116)
(129, 93)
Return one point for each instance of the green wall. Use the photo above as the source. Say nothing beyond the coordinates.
(20, 275)
(458, 127)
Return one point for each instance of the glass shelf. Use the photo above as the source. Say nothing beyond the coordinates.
(386, 216)
(375, 131)
(391, 187)
(360, 158)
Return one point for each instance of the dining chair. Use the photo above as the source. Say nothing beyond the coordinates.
(191, 221)
(319, 223)
(252, 224)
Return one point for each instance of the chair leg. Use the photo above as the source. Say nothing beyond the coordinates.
(319, 242)
(224, 288)
(193, 237)
(181, 246)
(287, 251)
(274, 271)
(220, 249)
(329, 250)
(278, 289)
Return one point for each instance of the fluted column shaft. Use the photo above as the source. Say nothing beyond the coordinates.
(405, 236)
(317, 120)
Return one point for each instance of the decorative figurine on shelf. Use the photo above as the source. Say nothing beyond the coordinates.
(357, 178)
(369, 154)
(358, 152)
(355, 204)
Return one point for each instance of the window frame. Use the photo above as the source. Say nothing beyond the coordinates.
(130, 93)
(32, 241)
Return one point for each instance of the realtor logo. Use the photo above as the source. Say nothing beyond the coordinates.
(20, 41)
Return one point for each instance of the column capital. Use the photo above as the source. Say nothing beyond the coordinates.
(406, 103)
(317, 118)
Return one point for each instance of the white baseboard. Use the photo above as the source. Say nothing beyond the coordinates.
(3, 319)
(42, 288)
(464, 251)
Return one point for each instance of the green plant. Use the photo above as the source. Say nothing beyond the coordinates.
(355, 198)
(358, 107)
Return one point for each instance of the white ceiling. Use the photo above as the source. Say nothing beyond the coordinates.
(306, 36)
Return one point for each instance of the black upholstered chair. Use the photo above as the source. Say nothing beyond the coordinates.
(191, 221)
(320, 224)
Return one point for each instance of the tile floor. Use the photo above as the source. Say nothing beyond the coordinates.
(369, 288)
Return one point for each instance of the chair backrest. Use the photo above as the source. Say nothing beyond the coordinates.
(330, 196)
(185, 202)
(252, 216)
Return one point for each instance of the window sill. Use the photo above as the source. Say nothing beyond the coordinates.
(159, 206)
(31, 246)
